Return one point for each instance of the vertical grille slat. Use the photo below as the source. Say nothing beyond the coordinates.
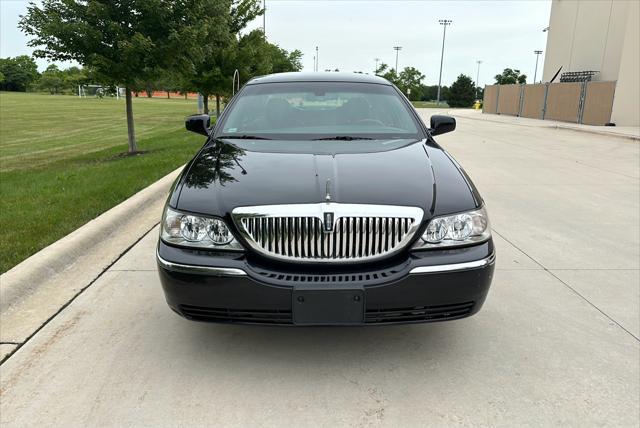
(273, 223)
(338, 235)
(317, 237)
(370, 232)
(356, 237)
(376, 235)
(298, 238)
(345, 236)
(263, 231)
(305, 238)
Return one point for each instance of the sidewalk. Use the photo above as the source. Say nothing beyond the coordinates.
(37, 289)
(631, 132)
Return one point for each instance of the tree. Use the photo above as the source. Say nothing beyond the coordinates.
(462, 92)
(255, 56)
(510, 77)
(168, 82)
(52, 80)
(74, 77)
(56, 81)
(385, 72)
(212, 72)
(409, 80)
(410, 83)
(123, 42)
(19, 73)
(226, 51)
(283, 61)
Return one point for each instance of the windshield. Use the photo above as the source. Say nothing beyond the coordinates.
(340, 112)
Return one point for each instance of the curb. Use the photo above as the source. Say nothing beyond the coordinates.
(38, 287)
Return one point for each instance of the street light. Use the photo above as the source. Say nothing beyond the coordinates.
(317, 60)
(535, 73)
(397, 49)
(478, 77)
(444, 23)
(376, 69)
(264, 18)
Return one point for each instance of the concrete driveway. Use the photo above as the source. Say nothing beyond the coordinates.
(555, 344)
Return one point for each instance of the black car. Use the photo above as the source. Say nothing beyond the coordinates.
(322, 199)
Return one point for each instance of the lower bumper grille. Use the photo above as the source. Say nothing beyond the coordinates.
(284, 316)
(258, 316)
(367, 278)
(418, 313)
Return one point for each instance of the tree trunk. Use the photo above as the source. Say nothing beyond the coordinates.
(168, 95)
(217, 106)
(133, 149)
(205, 103)
(185, 95)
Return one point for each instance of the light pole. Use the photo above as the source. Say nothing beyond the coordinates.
(317, 60)
(444, 23)
(264, 18)
(535, 73)
(376, 69)
(478, 77)
(397, 49)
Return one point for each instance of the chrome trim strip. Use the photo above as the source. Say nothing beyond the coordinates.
(201, 270)
(455, 267)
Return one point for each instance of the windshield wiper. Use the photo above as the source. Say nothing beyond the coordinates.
(242, 137)
(342, 138)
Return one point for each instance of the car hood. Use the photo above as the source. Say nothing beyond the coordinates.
(224, 176)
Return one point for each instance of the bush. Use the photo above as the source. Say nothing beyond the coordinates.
(462, 92)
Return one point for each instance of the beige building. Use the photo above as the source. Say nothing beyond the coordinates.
(603, 36)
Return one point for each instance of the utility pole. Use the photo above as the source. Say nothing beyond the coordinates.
(317, 60)
(397, 49)
(444, 23)
(264, 18)
(375, 71)
(478, 77)
(535, 73)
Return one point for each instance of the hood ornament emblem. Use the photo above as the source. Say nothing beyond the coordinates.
(328, 216)
(328, 190)
(328, 222)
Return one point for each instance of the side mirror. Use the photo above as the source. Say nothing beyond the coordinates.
(198, 123)
(442, 124)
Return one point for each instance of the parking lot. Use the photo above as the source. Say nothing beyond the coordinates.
(555, 344)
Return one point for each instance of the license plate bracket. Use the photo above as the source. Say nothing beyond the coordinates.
(322, 306)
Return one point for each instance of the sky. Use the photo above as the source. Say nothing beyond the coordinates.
(351, 34)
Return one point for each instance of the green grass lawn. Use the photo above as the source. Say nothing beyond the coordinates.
(429, 104)
(60, 165)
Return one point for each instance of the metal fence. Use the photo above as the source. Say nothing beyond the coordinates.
(578, 102)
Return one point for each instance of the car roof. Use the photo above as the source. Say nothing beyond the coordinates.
(318, 77)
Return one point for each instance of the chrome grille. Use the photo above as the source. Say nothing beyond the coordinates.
(298, 232)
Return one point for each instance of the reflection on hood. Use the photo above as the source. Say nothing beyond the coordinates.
(215, 165)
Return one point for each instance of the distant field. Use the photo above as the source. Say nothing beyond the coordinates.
(429, 104)
(59, 163)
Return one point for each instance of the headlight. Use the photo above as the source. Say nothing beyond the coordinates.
(197, 231)
(454, 230)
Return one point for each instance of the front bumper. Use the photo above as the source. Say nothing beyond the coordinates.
(425, 286)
